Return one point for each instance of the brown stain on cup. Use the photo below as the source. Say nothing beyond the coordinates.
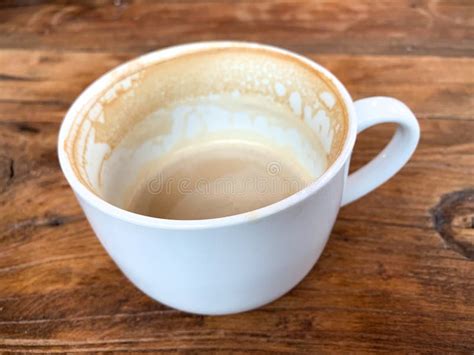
(164, 80)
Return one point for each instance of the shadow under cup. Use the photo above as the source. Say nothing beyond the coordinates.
(150, 108)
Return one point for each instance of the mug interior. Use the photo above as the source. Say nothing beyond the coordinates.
(108, 161)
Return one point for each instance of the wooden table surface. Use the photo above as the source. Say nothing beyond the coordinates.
(398, 271)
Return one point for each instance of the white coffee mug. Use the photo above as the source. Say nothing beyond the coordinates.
(241, 262)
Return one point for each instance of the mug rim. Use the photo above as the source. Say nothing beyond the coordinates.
(94, 89)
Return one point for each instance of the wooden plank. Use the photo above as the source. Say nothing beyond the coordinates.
(48, 81)
(371, 27)
(31, 169)
(356, 296)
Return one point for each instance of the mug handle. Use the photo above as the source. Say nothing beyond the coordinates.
(393, 157)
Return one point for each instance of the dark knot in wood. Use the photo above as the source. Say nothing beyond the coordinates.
(453, 218)
(7, 172)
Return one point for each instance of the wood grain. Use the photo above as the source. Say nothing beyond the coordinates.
(387, 280)
(397, 27)
(444, 86)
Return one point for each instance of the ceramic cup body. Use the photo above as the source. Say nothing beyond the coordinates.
(225, 269)
(238, 263)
